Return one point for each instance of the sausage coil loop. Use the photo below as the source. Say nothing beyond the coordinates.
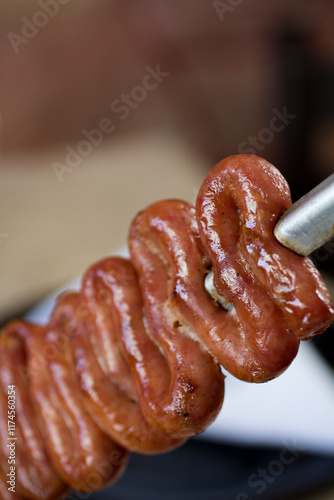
(132, 362)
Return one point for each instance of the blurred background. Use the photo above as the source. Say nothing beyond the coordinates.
(108, 105)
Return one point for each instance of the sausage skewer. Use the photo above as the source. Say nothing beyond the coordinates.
(133, 360)
(308, 223)
(303, 228)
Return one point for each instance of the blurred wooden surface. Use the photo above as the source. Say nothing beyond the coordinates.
(51, 230)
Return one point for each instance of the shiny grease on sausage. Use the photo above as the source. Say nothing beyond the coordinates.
(132, 362)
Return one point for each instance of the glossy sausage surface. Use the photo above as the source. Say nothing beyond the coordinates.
(132, 362)
(279, 297)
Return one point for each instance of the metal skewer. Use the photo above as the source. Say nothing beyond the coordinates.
(308, 223)
(305, 226)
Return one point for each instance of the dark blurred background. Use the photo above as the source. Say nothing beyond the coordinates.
(230, 64)
(232, 76)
